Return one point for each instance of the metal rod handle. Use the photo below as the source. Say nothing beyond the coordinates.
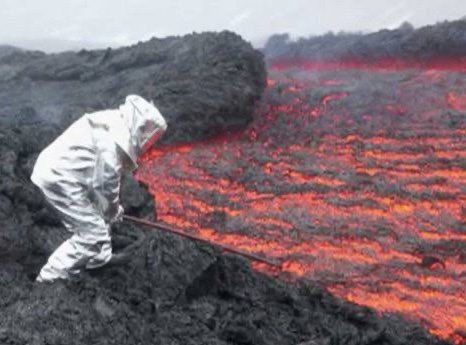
(225, 247)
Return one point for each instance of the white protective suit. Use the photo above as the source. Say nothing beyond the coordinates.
(79, 174)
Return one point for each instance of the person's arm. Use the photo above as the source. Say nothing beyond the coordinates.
(107, 179)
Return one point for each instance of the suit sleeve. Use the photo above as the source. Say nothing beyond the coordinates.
(107, 179)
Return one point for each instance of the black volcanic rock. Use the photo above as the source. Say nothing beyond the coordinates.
(202, 83)
(7, 50)
(446, 39)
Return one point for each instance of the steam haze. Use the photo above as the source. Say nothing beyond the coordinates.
(53, 25)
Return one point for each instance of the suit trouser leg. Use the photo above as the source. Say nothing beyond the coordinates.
(88, 247)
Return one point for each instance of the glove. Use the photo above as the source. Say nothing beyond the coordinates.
(119, 215)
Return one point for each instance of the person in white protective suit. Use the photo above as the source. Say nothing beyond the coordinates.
(79, 175)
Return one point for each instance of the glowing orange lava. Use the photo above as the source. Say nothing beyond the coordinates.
(353, 180)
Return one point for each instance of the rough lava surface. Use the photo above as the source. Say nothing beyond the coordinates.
(404, 44)
(174, 291)
(202, 83)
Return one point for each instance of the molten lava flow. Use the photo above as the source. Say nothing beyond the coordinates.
(355, 179)
(430, 66)
(456, 101)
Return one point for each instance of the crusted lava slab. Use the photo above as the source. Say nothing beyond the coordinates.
(202, 83)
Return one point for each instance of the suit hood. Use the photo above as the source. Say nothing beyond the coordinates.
(144, 123)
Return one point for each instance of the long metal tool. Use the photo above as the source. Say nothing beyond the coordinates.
(166, 228)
